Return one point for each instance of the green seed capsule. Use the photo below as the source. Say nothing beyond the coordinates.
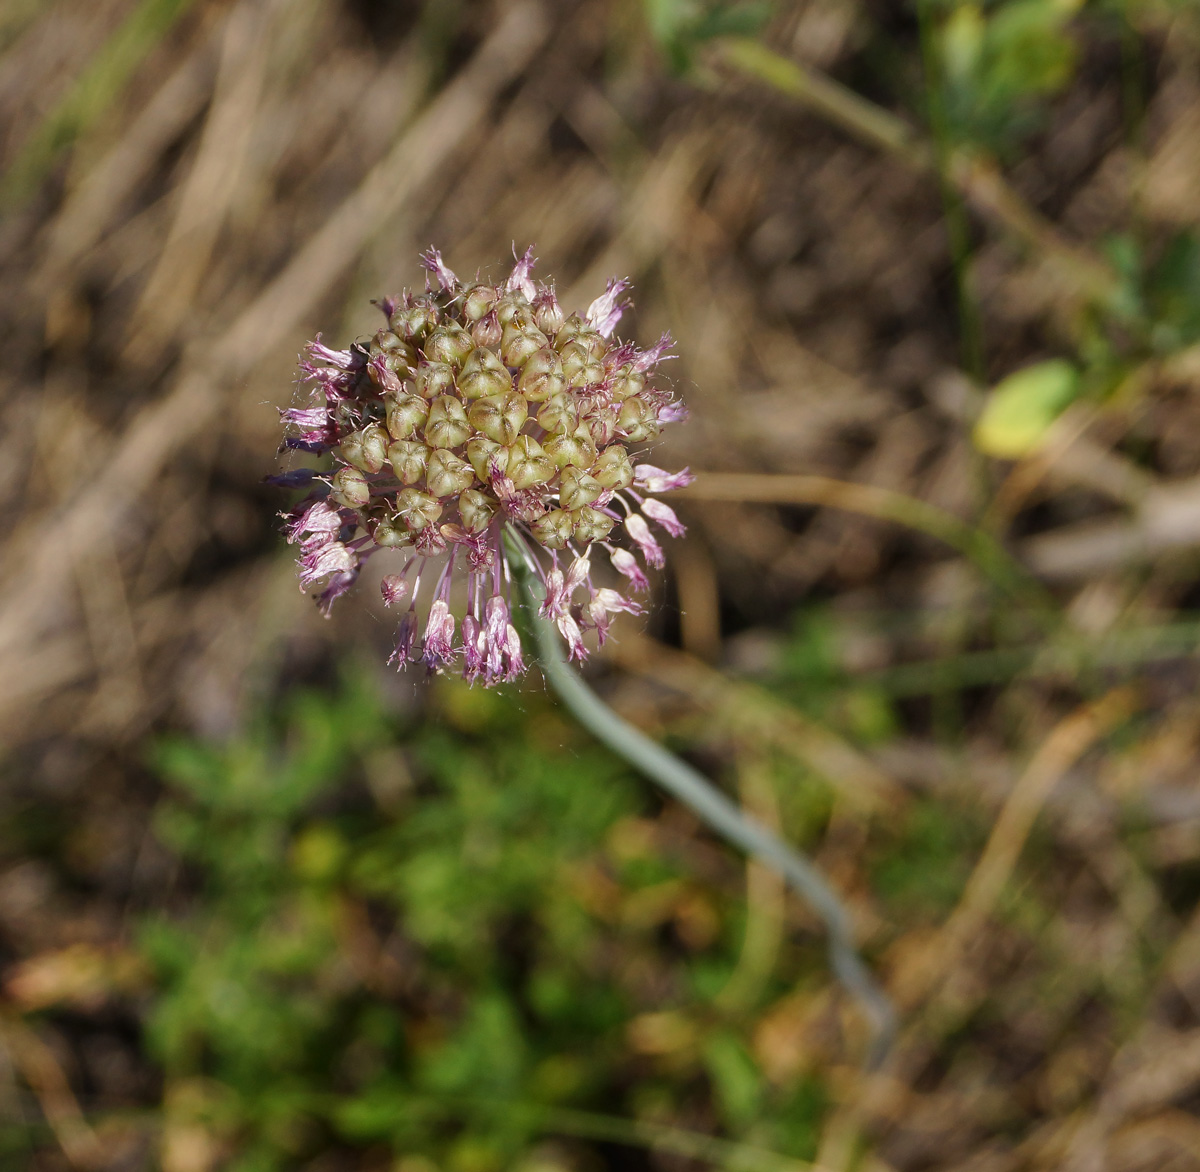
(350, 488)
(414, 321)
(483, 374)
(406, 416)
(499, 417)
(478, 301)
(511, 305)
(447, 474)
(396, 347)
(576, 448)
(613, 468)
(449, 343)
(447, 426)
(592, 525)
(365, 449)
(626, 382)
(602, 425)
(577, 488)
(391, 534)
(528, 464)
(418, 508)
(554, 529)
(483, 453)
(580, 367)
(520, 342)
(408, 459)
(476, 510)
(435, 378)
(558, 414)
(569, 331)
(541, 376)
(638, 420)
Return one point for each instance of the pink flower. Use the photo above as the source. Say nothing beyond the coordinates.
(604, 313)
(665, 516)
(498, 413)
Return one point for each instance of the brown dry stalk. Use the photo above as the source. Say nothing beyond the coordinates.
(1073, 736)
(38, 589)
(872, 501)
(45, 1077)
(976, 179)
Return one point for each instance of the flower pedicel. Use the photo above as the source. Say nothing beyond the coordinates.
(478, 407)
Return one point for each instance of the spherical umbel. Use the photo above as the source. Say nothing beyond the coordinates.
(474, 409)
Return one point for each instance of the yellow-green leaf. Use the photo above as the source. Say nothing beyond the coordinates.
(1021, 408)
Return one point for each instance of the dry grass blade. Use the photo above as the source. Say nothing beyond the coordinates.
(1067, 742)
(39, 590)
(45, 1077)
(753, 716)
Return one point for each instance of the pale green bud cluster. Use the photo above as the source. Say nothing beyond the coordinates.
(481, 402)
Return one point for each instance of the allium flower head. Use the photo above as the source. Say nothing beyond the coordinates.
(477, 407)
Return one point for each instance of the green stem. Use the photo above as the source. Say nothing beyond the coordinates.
(696, 792)
(958, 231)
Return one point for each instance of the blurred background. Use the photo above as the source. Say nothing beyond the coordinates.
(934, 274)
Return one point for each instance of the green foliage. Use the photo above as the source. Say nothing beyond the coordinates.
(1021, 408)
(680, 27)
(998, 64)
(92, 92)
(921, 871)
(812, 675)
(436, 977)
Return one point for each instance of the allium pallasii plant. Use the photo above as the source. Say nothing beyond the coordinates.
(481, 409)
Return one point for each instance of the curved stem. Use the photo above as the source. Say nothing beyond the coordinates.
(713, 807)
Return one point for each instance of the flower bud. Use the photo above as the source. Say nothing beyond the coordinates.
(626, 382)
(447, 426)
(520, 342)
(580, 367)
(391, 533)
(476, 510)
(478, 301)
(613, 468)
(499, 417)
(435, 378)
(483, 453)
(418, 508)
(449, 343)
(483, 374)
(547, 313)
(350, 488)
(576, 448)
(637, 420)
(365, 449)
(541, 376)
(486, 332)
(406, 416)
(592, 525)
(408, 459)
(554, 529)
(447, 474)
(528, 464)
(577, 488)
(393, 587)
(558, 414)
